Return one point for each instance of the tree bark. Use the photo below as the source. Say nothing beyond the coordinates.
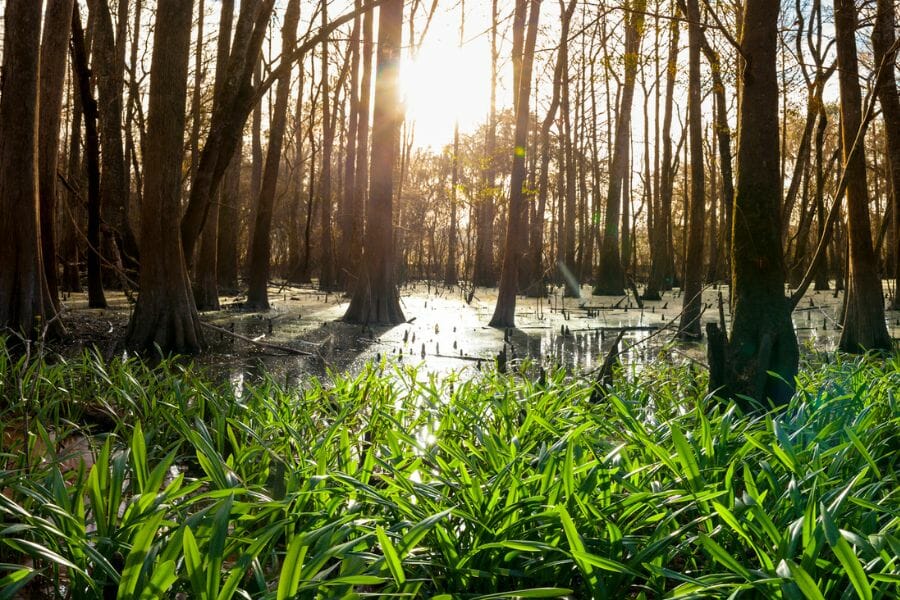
(96, 297)
(54, 50)
(375, 297)
(109, 71)
(610, 276)
(864, 327)
(206, 275)
(689, 327)
(165, 316)
(25, 303)
(229, 225)
(69, 244)
(536, 287)
(567, 253)
(261, 249)
(230, 112)
(883, 42)
(347, 267)
(762, 337)
(523, 61)
(361, 176)
(326, 248)
(484, 272)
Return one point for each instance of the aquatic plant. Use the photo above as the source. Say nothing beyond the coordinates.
(135, 481)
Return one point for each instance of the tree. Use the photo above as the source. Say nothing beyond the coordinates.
(536, 288)
(483, 273)
(261, 248)
(762, 336)
(348, 215)
(231, 107)
(25, 302)
(108, 65)
(165, 314)
(96, 297)
(206, 285)
(327, 279)
(863, 327)
(884, 44)
(375, 296)
(689, 328)
(661, 255)
(54, 49)
(610, 277)
(566, 258)
(523, 63)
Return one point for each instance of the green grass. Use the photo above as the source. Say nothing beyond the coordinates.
(391, 484)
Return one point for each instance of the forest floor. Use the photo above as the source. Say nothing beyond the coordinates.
(445, 332)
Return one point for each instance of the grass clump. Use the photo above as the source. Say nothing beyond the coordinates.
(124, 480)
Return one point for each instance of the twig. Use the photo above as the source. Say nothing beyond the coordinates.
(244, 338)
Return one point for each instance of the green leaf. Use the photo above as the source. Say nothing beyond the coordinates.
(390, 556)
(15, 581)
(686, 457)
(134, 562)
(553, 592)
(803, 580)
(162, 579)
(216, 550)
(576, 547)
(194, 563)
(721, 556)
(607, 564)
(857, 443)
(420, 530)
(139, 457)
(846, 556)
(289, 580)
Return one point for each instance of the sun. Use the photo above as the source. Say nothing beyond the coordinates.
(443, 84)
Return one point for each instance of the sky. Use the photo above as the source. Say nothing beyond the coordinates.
(443, 82)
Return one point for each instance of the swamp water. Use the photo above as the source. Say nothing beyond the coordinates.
(447, 331)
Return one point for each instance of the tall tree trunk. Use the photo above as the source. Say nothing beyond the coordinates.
(230, 111)
(326, 248)
(134, 96)
(196, 108)
(347, 270)
(229, 226)
(523, 63)
(69, 244)
(96, 297)
(689, 328)
(451, 274)
(610, 276)
(484, 273)
(762, 337)
(206, 276)
(822, 272)
(712, 272)
(375, 297)
(54, 49)
(536, 287)
(864, 326)
(361, 178)
(657, 223)
(25, 303)
(165, 315)
(261, 245)
(567, 254)
(109, 71)
(883, 42)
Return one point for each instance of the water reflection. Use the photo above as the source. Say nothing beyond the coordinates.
(448, 333)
